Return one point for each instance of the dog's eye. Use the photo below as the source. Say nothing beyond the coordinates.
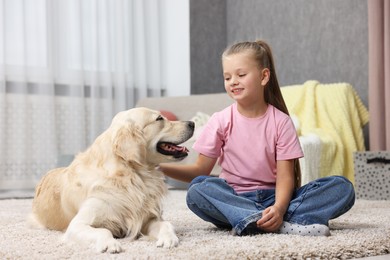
(159, 118)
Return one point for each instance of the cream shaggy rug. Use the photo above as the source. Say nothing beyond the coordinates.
(363, 231)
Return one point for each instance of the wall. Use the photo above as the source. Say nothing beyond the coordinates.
(325, 40)
(208, 37)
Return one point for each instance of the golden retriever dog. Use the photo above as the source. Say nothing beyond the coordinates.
(113, 190)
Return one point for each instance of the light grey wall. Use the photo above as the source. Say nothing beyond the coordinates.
(325, 40)
(208, 38)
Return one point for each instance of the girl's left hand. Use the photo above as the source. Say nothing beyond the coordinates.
(271, 219)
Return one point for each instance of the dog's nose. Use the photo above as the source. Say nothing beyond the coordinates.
(191, 125)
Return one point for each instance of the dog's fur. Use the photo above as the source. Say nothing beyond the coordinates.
(113, 190)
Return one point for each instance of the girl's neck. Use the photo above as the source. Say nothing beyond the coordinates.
(252, 110)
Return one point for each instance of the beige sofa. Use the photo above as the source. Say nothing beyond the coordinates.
(186, 107)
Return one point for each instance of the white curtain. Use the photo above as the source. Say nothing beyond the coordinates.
(66, 67)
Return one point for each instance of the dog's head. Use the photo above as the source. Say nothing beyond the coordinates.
(144, 136)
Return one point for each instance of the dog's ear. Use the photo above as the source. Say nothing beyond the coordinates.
(129, 143)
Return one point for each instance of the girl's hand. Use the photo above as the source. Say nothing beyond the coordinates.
(271, 220)
(272, 217)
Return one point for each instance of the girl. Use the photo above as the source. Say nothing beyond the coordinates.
(258, 189)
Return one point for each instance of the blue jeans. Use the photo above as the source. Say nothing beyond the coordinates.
(215, 201)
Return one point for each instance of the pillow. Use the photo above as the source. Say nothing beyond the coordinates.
(200, 119)
(169, 115)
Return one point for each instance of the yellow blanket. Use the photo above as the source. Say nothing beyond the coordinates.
(336, 114)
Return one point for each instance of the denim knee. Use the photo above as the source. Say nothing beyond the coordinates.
(192, 192)
(345, 193)
(192, 195)
(346, 187)
(206, 185)
(198, 179)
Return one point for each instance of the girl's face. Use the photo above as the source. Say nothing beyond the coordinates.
(244, 79)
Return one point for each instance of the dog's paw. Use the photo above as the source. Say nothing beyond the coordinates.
(111, 246)
(167, 240)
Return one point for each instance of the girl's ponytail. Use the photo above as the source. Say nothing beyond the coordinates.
(272, 93)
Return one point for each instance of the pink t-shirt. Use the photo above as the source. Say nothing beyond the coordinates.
(248, 148)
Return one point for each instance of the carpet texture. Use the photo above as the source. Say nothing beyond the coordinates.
(364, 231)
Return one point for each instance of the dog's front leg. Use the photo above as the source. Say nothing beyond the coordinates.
(81, 228)
(164, 233)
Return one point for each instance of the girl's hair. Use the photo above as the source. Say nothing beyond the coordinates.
(272, 94)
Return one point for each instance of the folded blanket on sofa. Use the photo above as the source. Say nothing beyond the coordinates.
(312, 148)
(336, 114)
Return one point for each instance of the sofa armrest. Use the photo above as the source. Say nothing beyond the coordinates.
(185, 107)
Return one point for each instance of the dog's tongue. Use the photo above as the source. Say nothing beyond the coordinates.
(169, 147)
